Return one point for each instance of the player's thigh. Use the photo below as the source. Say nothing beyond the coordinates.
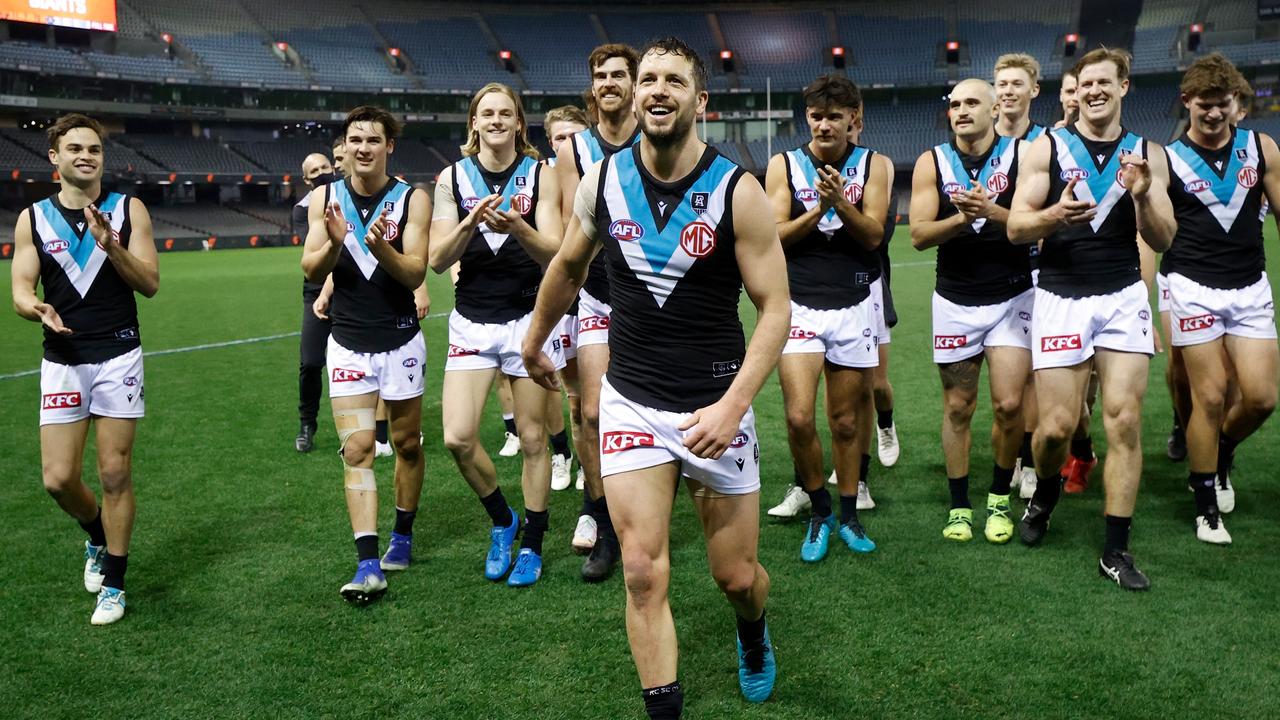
(1122, 381)
(847, 389)
(798, 374)
(406, 419)
(1060, 393)
(731, 525)
(1256, 361)
(640, 507)
(353, 417)
(462, 401)
(593, 361)
(532, 402)
(115, 438)
(1009, 371)
(62, 450)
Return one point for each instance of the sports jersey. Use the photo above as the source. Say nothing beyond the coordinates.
(1217, 199)
(1100, 257)
(828, 268)
(371, 311)
(1034, 130)
(979, 266)
(675, 339)
(497, 280)
(588, 149)
(81, 283)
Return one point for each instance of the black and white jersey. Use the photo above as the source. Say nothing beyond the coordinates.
(1101, 257)
(675, 340)
(498, 280)
(828, 269)
(590, 148)
(371, 311)
(979, 266)
(1218, 198)
(81, 283)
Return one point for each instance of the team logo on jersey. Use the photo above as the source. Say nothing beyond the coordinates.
(521, 180)
(1192, 324)
(522, 203)
(1055, 343)
(853, 192)
(740, 440)
(807, 195)
(1196, 186)
(58, 401)
(1070, 174)
(1242, 154)
(698, 239)
(949, 342)
(459, 351)
(470, 203)
(725, 368)
(995, 161)
(130, 381)
(592, 323)
(345, 375)
(389, 206)
(851, 172)
(1247, 176)
(952, 188)
(53, 247)
(699, 200)
(393, 231)
(410, 362)
(351, 228)
(998, 183)
(620, 440)
(625, 230)
(799, 333)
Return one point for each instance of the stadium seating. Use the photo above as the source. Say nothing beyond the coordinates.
(17, 55)
(790, 47)
(893, 50)
(543, 43)
(283, 156)
(189, 155)
(449, 53)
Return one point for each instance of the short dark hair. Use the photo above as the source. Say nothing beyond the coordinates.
(833, 91)
(372, 114)
(339, 139)
(71, 121)
(1212, 74)
(613, 50)
(676, 46)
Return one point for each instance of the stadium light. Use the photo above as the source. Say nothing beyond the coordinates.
(837, 57)
(726, 60)
(394, 52)
(282, 46)
(167, 38)
(953, 52)
(1069, 44)
(505, 57)
(1193, 37)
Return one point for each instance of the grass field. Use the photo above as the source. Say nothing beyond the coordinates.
(241, 545)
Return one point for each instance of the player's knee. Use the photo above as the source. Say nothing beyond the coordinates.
(408, 446)
(458, 443)
(644, 576)
(959, 408)
(115, 474)
(1055, 426)
(358, 449)
(1123, 423)
(58, 478)
(736, 580)
(801, 421)
(844, 426)
(1007, 410)
(591, 417)
(1260, 406)
(575, 411)
(533, 439)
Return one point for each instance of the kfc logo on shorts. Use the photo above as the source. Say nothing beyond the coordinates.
(58, 401)
(130, 381)
(619, 441)
(740, 440)
(807, 195)
(345, 375)
(998, 183)
(522, 203)
(53, 247)
(593, 322)
(1070, 174)
(393, 231)
(853, 192)
(1192, 324)
(949, 342)
(698, 239)
(470, 203)
(1055, 343)
(799, 333)
(952, 188)
(1247, 176)
(625, 230)
(457, 351)
(410, 362)
(1196, 186)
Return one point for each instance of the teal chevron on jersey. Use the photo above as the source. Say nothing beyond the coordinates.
(1222, 185)
(357, 226)
(81, 242)
(850, 171)
(515, 183)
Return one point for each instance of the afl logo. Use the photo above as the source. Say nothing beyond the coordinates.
(853, 192)
(626, 230)
(410, 362)
(1196, 186)
(393, 231)
(952, 188)
(698, 239)
(53, 247)
(998, 183)
(522, 204)
(1070, 174)
(350, 228)
(1247, 176)
(470, 203)
(740, 440)
(807, 195)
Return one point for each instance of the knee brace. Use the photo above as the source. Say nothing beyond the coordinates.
(350, 422)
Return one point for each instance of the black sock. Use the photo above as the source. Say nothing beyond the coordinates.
(604, 523)
(1177, 421)
(821, 500)
(560, 444)
(380, 430)
(535, 524)
(864, 469)
(496, 505)
(1226, 453)
(510, 422)
(404, 521)
(367, 547)
(587, 504)
(1048, 490)
(1117, 534)
(1206, 496)
(799, 480)
(1001, 479)
(751, 632)
(113, 567)
(1082, 448)
(665, 702)
(97, 536)
(848, 508)
(959, 491)
(884, 419)
(1028, 460)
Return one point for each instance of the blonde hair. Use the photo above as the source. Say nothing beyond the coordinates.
(1022, 61)
(523, 146)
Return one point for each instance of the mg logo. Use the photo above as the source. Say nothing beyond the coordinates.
(998, 183)
(53, 247)
(1247, 176)
(618, 441)
(949, 342)
(698, 239)
(952, 188)
(58, 401)
(625, 230)
(1196, 186)
(1070, 174)
(393, 231)
(1192, 324)
(522, 203)
(1055, 343)
(470, 203)
(807, 195)
(853, 193)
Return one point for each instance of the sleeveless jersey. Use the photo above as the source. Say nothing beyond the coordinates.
(1035, 130)
(372, 312)
(979, 266)
(81, 283)
(1101, 257)
(497, 281)
(828, 269)
(1217, 198)
(675, 339)
(588, 149)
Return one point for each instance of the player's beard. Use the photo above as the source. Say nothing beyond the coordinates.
(672, 135)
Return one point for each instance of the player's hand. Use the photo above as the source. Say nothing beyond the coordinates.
(507, 222)
(375, 238)
(320, 308)
(830, 186)
(540, 368)
(476, 216)
(335, 223)
(1070, 211)
(100, 228)
(973, 203)
(50, 319)
(1135, 174)
(421, 301)
(710, 430)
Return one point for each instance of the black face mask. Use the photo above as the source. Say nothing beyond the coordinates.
(323, 179)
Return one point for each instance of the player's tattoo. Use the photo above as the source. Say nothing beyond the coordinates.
(962, 375)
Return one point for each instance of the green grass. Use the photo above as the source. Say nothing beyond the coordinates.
(241, 545)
